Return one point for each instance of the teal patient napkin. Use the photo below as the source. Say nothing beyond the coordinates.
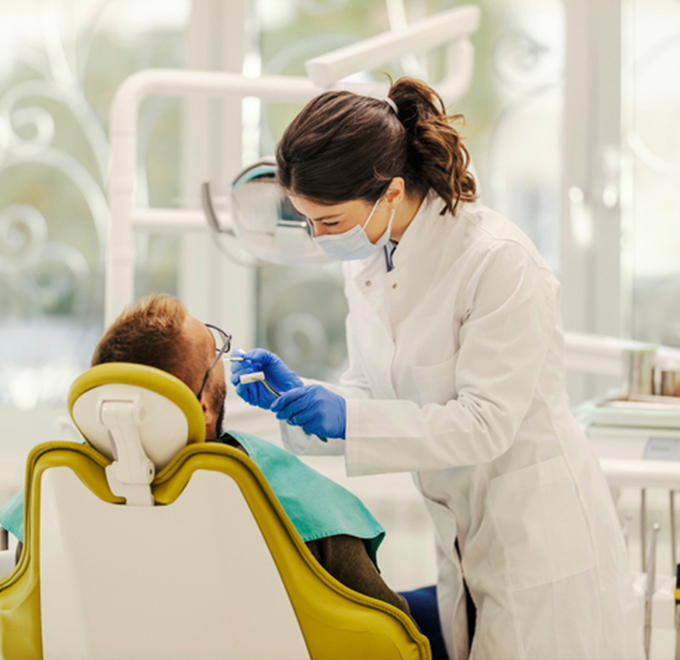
(316, 505)
(12, 515)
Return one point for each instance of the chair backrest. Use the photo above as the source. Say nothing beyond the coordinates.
(214, 570)
(138, 417)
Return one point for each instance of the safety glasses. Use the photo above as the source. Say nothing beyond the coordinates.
(222, 345)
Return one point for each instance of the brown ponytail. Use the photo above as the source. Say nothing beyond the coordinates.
(436, 156)
(344, 146)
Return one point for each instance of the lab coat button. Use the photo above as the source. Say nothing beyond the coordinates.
(394, 286)
(368, 282)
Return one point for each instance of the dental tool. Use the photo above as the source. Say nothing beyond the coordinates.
(236, 359)
(672, 513)
(649, 591)
(643, 528)
(677, 612)
(256, 377)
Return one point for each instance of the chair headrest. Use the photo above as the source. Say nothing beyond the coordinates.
(168, 415)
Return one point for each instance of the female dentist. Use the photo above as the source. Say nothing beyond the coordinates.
(455, 374)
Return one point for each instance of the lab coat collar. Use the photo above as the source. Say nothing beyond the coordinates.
(424, 219)
(423, 222)
(368, 277)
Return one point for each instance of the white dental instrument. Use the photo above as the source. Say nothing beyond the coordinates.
(677, 612)
(649, 592)
(256, 377)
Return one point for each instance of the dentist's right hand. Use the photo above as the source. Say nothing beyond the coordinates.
(275, 370)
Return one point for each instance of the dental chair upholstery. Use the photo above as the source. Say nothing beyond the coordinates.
(177, 549)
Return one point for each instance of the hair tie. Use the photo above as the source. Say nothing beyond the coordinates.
(392, 104)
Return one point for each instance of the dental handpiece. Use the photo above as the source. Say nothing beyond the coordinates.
(649, 591)
(256, 377)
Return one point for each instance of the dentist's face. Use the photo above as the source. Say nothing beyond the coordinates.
(338, 218)
(203, 355)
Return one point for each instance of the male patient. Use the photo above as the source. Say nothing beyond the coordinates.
(159, 332)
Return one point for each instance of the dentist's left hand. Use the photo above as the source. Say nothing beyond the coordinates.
(275, 370)
(317, 410)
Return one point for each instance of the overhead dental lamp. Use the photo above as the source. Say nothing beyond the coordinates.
(264, 219)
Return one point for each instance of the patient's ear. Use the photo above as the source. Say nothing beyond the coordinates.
(209, 414)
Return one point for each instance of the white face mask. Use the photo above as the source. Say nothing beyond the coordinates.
(354, 243)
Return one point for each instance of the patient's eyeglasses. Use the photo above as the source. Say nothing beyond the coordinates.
(222, 345)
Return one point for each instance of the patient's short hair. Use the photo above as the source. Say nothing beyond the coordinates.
(150, 332)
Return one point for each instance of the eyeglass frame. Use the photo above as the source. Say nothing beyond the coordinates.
(226, 347)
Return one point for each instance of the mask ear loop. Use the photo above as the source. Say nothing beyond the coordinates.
(370, 215)
(375, 206)
(388, 229)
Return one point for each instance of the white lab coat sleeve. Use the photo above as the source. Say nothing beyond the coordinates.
(503, 345)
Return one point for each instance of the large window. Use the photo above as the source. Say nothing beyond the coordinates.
(60, 64)
(654, 140)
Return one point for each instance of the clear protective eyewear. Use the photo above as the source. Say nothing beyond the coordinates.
(222, 345)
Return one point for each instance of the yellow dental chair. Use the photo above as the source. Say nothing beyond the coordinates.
(150, 543)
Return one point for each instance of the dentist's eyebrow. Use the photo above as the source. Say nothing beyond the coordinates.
(325, 217)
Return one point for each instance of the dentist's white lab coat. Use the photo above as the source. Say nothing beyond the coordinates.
(456, 374)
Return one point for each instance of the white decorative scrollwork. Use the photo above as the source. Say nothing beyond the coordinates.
(41, 276)
(54, 215)
(521, 61)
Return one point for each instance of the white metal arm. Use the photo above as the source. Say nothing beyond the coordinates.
(445, 28)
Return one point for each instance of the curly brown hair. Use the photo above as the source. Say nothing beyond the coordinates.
(150, 332)
(343, 146)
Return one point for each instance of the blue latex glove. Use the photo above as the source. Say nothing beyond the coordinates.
(278, 375)
(317, 410)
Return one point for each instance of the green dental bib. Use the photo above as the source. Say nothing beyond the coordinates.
(316, 505)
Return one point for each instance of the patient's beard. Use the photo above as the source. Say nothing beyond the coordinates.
(217, 399)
